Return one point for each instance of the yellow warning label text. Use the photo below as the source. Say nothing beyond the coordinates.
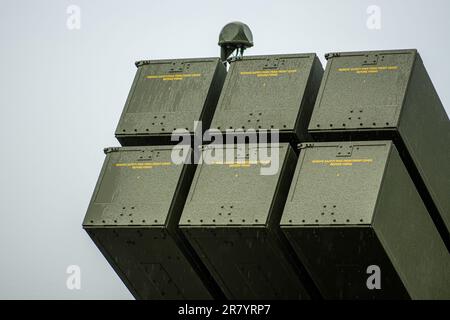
(143, 165)
(267, 73)
(342, 162)
(174, 77)
(368, 70)
(243, 164)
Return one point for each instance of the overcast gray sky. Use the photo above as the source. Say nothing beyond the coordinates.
(62, 92)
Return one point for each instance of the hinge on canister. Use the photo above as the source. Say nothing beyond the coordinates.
(234, 59)
(141, 63)
(301, 146)
(110, 149)
(332, 55)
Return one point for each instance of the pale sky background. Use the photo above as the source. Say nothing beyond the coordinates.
(62, 93)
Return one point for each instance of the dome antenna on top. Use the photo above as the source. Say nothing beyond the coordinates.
(234, 37)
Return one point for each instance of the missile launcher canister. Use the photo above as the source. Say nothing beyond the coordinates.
(389, 95)
(270, 92)
(167, 95)
(133, 218)
(353, 209)
(231, 219)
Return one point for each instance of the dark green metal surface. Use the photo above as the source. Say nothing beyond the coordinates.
(168, 95)
(389, 95)
(133, 218)
(231, 218)
(352, 205)
(270, 92)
